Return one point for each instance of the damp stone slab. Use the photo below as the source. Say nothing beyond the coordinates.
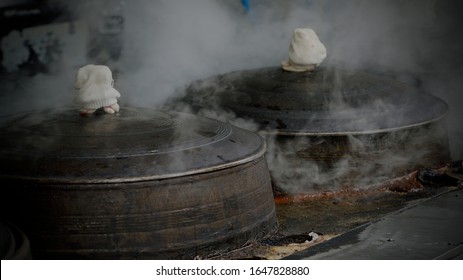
(432, 229)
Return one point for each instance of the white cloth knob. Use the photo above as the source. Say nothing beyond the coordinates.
(305, 51)
(94, 90)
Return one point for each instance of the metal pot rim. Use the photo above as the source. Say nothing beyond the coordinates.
(363, 132)
(179, 145)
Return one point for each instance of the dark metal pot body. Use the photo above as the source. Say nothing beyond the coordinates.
(331, 127)
(140, 184)
(14, 245)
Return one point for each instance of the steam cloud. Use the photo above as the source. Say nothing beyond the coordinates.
(175, 42)
(168, 44)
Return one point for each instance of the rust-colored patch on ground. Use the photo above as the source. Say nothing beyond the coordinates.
(332, 213)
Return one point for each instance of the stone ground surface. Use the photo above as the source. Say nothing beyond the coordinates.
(398, 219)
(431, 229)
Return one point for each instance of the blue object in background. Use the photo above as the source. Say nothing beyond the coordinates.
(246, 5)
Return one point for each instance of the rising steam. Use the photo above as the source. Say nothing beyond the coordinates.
(168, 44)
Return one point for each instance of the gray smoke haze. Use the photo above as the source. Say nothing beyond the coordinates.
(167, 44)
(180, 41)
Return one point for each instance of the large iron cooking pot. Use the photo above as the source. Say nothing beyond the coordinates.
(330, 127)
(14, 245)
(138, 184)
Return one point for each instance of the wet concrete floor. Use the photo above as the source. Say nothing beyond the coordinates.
(430, 229)
(400, 219)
